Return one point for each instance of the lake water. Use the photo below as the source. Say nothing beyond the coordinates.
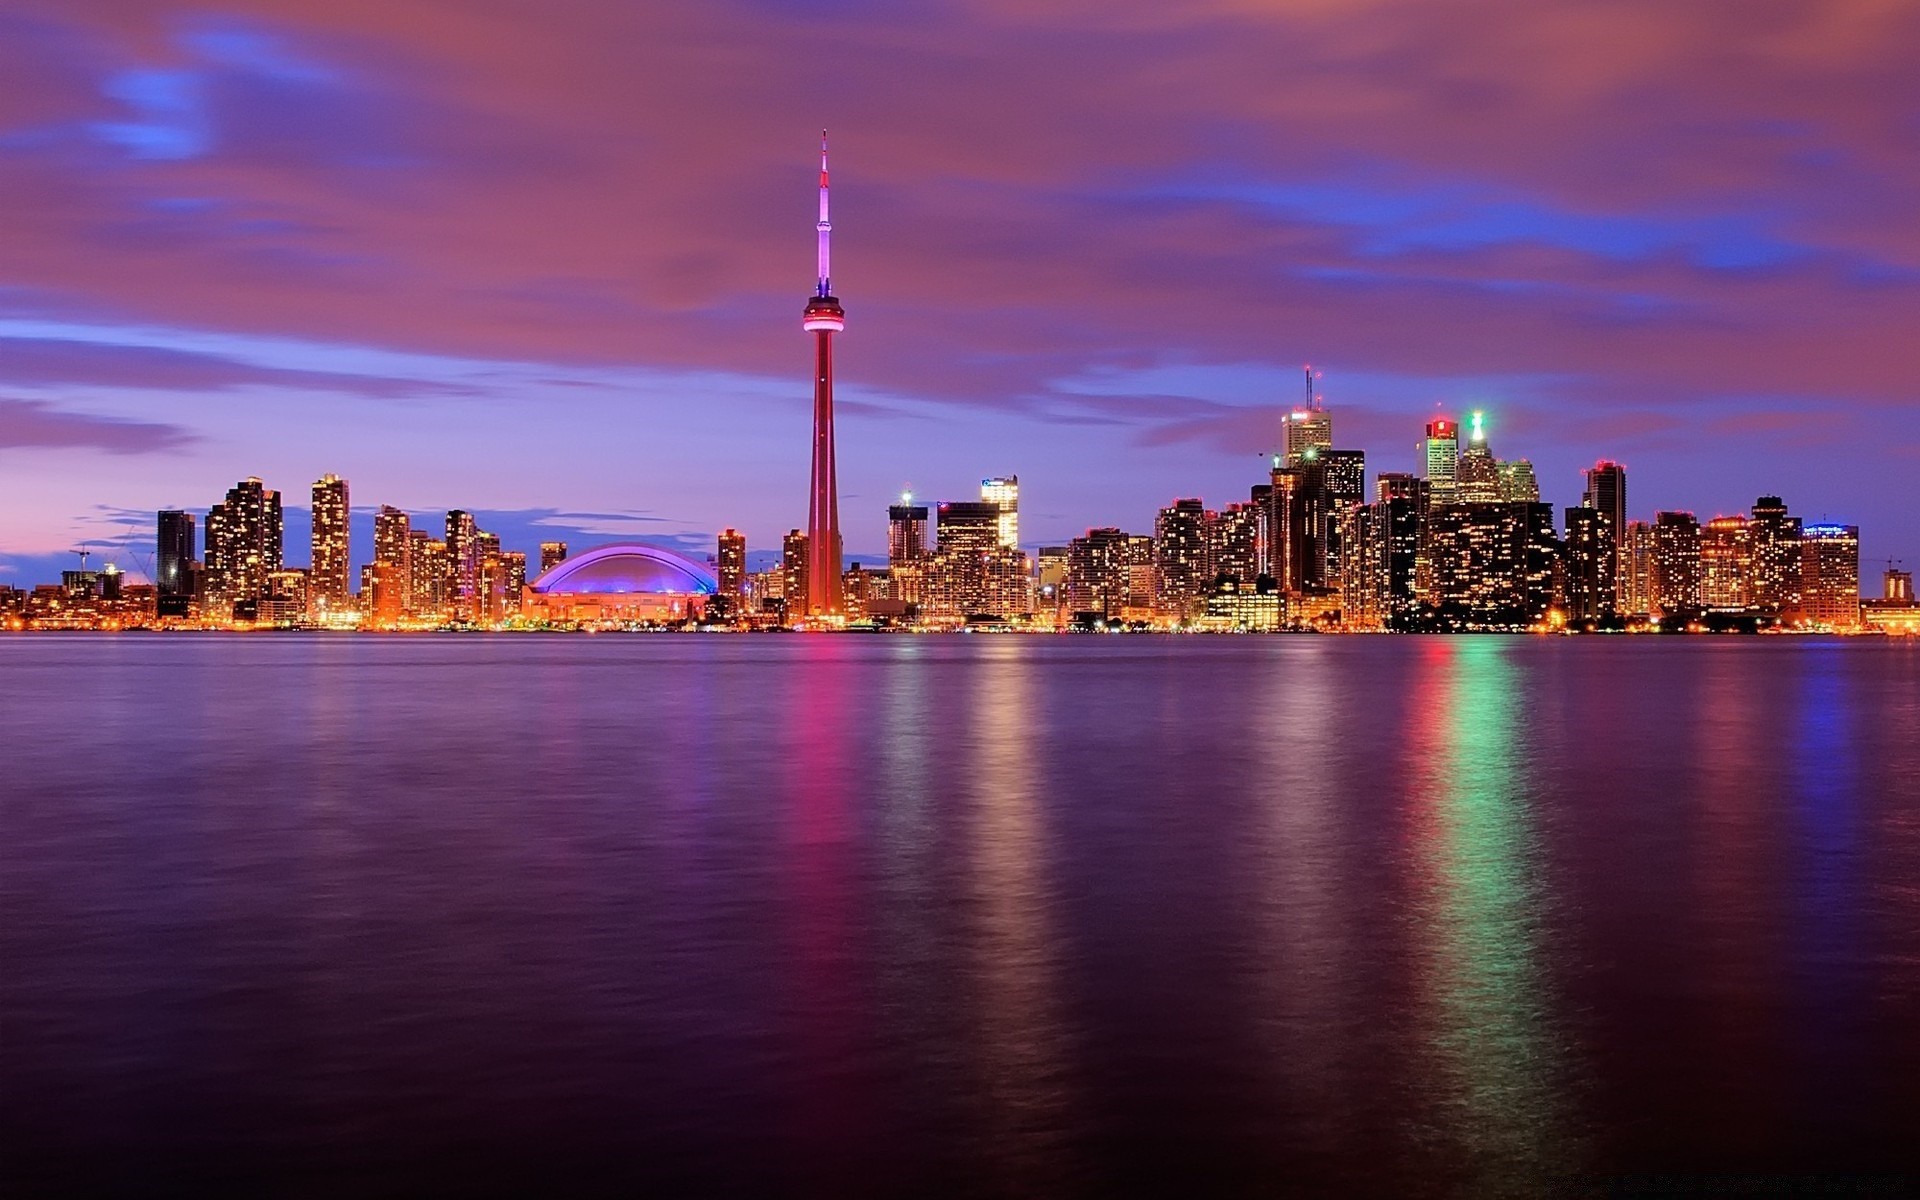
(1002, 915)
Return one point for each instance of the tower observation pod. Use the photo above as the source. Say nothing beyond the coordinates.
(823, 318)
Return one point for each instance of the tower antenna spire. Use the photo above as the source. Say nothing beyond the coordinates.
(825, 226)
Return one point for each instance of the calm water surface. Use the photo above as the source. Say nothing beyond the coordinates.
(359, 915)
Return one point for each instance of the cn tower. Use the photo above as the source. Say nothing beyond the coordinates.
(823, 319)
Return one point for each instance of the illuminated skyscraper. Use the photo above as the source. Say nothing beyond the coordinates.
(1592, 560)
(906, 533)
(730, 570)
(392, 575)
(328, 586)
(1005, 493)
(173, 563)
(1182, 576)
(1477, 473)
(1097, 573)
(823, 318)
(795, 576)
(1309, 427)
(513, 566)
(1517, 482)
(1774, 546)
(244, 540)
(1402, 507)
(1830, 576)
(1676, 564)
(429, 574)
(552, 554)
(463, 567)
(1236, 542)
(1606, 492)
(1441, 455)
(1635, 580)
(1726, 564)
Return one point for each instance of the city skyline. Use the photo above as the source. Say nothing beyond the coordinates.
(260, 241)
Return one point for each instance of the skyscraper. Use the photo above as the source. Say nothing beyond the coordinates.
(1774, 548)
(463, 567)
(1005, 492)
(795, 575)
(173, 563)
(1676, 564)
(1593, 561)
(906, 533)
(1726, 564)
(1097, 573)
(1606, 492)
(1830, 576)
(1182, 575)
(1441, 455)
(552, 554)
(730, 570)
(244, 541)
(1309, 427)
(1518, 485)
(1477, 473)
(823, 318)
(329, 589)
(392, 575)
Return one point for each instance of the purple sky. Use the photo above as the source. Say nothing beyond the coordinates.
(545, 259)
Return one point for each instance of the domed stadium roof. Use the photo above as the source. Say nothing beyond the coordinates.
(627, 568)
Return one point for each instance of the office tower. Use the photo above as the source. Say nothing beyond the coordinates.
(906, 533)
(1774, 546)
(966, 536)
(1297, 527)
(795, 575)
(1182, 576)
(1050, 578)
(1309, 429)
(1097, 573)
(1345, 476)
(1726, 564)
(1235, 552)
(1477, 473)
(330, 588)
(392, 574)
(1676, 565)
(823, 318)
(966, 527)
(1361, 567)
(1518, 485)
(730, 570)
(173, 563)
(244, 540)
(1830, 576)
(552, 554)
(463, 567)
(1402, 507)
(1441, 455)
(1005, 493)
(1592, 560)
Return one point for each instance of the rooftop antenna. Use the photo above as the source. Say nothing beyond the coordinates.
(1313, 396)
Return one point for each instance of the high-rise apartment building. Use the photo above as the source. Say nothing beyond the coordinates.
(1493, 564)
(730, 571)
(1726, 565)
(552, 554)
(244, 543)
(329, 584)
(392, 574)
(1236, 542)
(1676, 565)
(1097, 573)
(1592, 560)
(1004, 493)
(794, 576)
(1402, 506)
(463, 567)
(1830, 576)
(1774, 547)
(1182, 574)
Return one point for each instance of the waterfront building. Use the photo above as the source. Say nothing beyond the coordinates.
(1096, 583)
(1254, 606)
(1606, 491)
(1726, 565)
(1182, 574)
(1676, 565)
(1773, 537)
(288, 599)
(1592, 559)
(1830, 576)
(388, 589)
(244, 546)
(430, 570)
(174, 562)
(1362, 567)
(795, 575)
(1236, 542)
(463, 566)
(1896, 610)
(622, 583)
(552, 554)
(730, 577)
(1050, 579)
(1493, 564)
(330, 587)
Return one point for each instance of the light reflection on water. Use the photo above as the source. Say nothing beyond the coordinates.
(1003, 915)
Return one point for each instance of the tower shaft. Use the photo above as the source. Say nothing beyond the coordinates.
(823, 318)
